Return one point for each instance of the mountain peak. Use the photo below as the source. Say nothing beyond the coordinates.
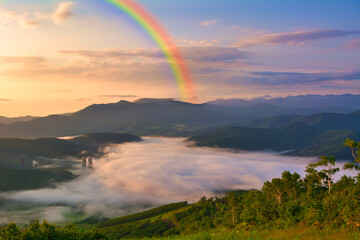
(154, 100)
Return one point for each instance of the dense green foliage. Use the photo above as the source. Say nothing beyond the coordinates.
(282, 234)
(138, 229)
(143, 215)
(303, 139)
(46, 231)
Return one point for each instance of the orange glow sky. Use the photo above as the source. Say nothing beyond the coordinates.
(58, 56)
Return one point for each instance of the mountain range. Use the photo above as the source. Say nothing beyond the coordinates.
(313, 135)
(167, 117)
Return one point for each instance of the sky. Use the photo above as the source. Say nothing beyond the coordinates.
(61, 56)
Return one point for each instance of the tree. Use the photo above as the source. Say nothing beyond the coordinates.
(289, 185)
(328, 170)
(355, 151)
(231, 200)
(11, 232)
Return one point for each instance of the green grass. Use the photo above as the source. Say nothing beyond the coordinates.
(292, 234)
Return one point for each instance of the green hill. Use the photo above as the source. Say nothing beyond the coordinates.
(323, 121)
(302, 139)
(43, 150)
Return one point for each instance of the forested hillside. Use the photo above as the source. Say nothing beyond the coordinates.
(14, 176)
(298, 138)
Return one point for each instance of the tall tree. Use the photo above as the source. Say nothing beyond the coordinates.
(355, 151)
(326, 175)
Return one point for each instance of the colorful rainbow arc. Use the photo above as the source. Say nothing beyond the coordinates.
(163, 40)
(149, 23)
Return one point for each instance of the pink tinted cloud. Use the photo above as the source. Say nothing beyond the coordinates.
(209, 22)
(298, 38)
(352, 44)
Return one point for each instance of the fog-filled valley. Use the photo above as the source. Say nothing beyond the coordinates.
(135, 176)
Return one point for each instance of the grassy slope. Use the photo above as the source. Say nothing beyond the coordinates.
(143, 224)
(295, 234)
(225, 234)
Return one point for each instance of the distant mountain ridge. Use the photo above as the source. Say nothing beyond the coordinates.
(7, 120)
(324, 121)
(168, 117)
(335, 102)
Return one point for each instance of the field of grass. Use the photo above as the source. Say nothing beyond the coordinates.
(291, 234)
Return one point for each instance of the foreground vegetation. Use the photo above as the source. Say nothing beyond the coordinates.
(290, 207)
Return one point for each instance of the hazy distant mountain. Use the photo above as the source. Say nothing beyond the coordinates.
(261, 110)
(324, 121)
(302, 139)
(144, 117)
(328, 103)
(7, 120)
(152, 117)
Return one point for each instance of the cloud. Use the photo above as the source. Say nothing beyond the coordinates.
(24, 60)
(352, 44)
(115, 53)
(208, 22)
(11, 18)
(5, 100)
(298, 38)
(201, 54)
(63, 12)
(214, 54)
(297, 78)
(132, 175)
(117, 96)
(197, 43)
(30, 20)
(83, 99)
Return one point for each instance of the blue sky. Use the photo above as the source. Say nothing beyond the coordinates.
(77, 52)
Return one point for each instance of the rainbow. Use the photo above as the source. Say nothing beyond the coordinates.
(163, 40)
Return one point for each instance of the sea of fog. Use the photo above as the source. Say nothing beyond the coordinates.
(135, 176)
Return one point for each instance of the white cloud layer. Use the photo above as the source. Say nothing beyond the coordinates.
(155, 172)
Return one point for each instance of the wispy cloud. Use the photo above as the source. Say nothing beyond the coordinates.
(352, 44)
(209, 22)
(298, 38)
(298, 78)
(201, 54)
(197, 43)
(5, 100)
(10, 18)
(23, 60)
(62, 13)
(123, 65)
(30, 20)
(117, 96)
